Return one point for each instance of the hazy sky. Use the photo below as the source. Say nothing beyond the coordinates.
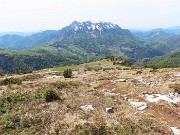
(36, 15)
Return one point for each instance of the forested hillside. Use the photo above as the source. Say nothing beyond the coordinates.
(169, 60)
(38, 58)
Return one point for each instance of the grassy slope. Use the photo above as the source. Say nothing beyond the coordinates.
(25, 110)
(75, 67)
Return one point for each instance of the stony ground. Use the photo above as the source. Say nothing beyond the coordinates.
(112, 86)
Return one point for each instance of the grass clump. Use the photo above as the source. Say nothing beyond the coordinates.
(63, 85)
(176, 87)
(11, 80)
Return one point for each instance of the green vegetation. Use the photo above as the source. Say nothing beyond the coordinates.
(63, 85)
(11, 80)
(51, 95)
(1, 73)
(144, 126)
(67, 73)
(39, 58)
(17, 112)
(167, 61)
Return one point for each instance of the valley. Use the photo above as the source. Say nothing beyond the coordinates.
(82, 42)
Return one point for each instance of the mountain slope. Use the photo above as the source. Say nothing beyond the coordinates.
(169, 60)
(103, 39)
(17, 42)
(39, 58)
(155, 34)
(168, 45)
(174, 30)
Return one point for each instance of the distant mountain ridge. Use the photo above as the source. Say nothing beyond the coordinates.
(157, 34)
(17, 33)
(17, 42)
(80, 42)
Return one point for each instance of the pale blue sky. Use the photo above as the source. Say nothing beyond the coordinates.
(36, 15)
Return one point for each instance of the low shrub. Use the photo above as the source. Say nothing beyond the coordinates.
(31, 77)
(51, 95)
(67, 73)
(63, 85)
(11, 122)
(11, 80)
(127, 62)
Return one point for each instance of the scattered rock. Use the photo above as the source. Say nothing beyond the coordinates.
(173, 98)
(109, 93)
(54, 76)
(122, 80)
(113, 82)
(141, 108)
(156, 83)
(177, 74)
(109, 110)
(139, 105)
(175, 130)
(87, 108)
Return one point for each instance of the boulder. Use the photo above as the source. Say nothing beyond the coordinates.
(87, 108)
(139, 105)
(109, 110)
(175, 130)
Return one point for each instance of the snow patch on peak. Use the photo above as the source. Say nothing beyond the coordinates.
(75, 28)
(93, 26)
(90, 27)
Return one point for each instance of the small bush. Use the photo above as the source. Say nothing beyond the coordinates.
(139, 72)
(28, 71)
(51, 95)
(67, 73)
(1, 73)
(127, 62)
(11, 122)
(17, 71)
(11, 80)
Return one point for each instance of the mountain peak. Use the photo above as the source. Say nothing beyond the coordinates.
(89, 26)
(95, 29)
